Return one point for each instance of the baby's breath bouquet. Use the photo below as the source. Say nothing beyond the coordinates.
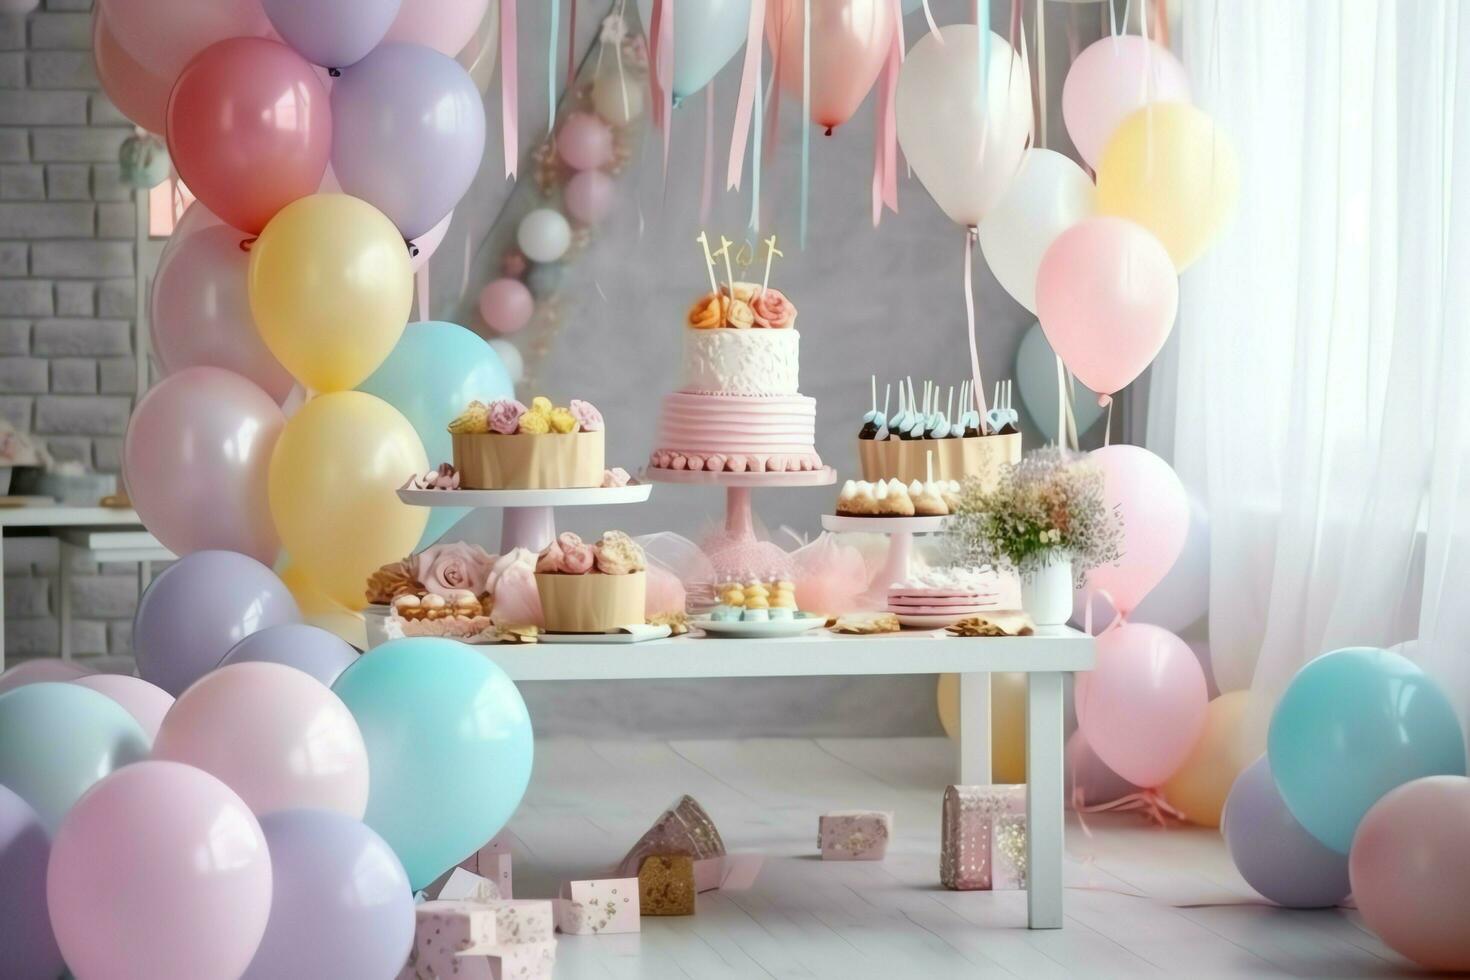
(1047, 508)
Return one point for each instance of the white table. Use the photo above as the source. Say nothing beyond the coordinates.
(96, 533)
(1045, 658)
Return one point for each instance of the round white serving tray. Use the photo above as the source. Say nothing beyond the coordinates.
(883, 525)
(634, 493)
(758, 630)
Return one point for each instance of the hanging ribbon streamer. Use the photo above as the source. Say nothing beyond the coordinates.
(755, 160)
(1108, 429)
(885, 143)
(806, 110)
(572, 46)
(750, 85)
(1148, 801)
(551, 65)
(1113, 19)
(1061, 402)
(982, 38)
(421, 284)
(706, 188)
(773, 99)
(971, 234)
(510, 124)
(933, 27)
(661, 79)
(1041, 71)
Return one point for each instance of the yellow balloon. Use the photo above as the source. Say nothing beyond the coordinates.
(319, 611)
(330, 289)
(1169, 168)
(1007, 722)
(1200, 786)
(334, 478)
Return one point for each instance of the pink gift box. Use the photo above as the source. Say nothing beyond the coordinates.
(528, 961)
(448, 941)
(983, 838)
(493, 861)
(684, 829)
(854, 835)
(599, 906)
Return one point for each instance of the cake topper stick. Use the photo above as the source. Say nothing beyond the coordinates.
(725, 244)
(771, 250)
(709, 261)
(873, 381)
(949, 404)
(886, 389)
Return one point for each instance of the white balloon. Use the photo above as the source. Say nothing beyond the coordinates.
(617, 100)
(515, 366)
(544, 235)
(1048, 196)
(965, 145)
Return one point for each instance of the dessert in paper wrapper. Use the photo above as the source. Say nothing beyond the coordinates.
(983, 838)
(684, 828)
(525, 462)
(590, 603)
(954, 459)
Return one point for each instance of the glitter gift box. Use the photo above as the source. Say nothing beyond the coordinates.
(493, 861)
(598, 906)
(854, 835)
(666, 885)
(481, 940)
(685, 828)
(983, 838)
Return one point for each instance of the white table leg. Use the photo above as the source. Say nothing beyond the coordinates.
(63, 587)
(2, 600)
(1045, 838)
(974, 729)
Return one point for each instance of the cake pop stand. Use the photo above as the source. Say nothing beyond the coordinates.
(738, 548)
(528, 517)
(900, 531)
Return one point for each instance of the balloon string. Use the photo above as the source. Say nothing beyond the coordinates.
(1108, 429)
(1061, 401)
(1150, 802)
(971, 234)
(509, 120)
(1041, 70)
(421, 280)
(750, 83)
(707, 181)
(661, 78)
(572, 47)
(806, 110)
(982, 40)
(773, 96)
(551, 39)
(755, 150)
(933, 27)
(885, 143)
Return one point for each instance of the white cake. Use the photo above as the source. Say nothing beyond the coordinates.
(741, 362)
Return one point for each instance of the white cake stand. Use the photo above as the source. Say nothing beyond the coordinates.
(900, 531)
(528, 517)
(732, 552)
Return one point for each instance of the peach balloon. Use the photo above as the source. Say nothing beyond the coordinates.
(1109, 80)
(1199, 788)
(444, 25)
(849, 44)
(1106, 296)
(137, 92)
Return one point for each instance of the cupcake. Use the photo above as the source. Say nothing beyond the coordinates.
(591, 588)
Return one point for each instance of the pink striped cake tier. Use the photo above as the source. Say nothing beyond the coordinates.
(738, 433)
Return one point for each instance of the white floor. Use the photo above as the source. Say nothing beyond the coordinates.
(1140, 901)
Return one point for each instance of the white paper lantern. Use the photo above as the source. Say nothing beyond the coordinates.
(544, 235)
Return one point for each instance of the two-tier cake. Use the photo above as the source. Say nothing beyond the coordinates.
(738, 408)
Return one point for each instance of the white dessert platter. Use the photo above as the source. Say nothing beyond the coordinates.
(900, 531)
(752, 630)
(528, 518)
(931, 622)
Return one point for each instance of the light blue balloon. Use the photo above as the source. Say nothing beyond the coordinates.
(1036, 377)
(56, 740)
(432, 374)
(1352, 725)
(707, 34)
(449, 743)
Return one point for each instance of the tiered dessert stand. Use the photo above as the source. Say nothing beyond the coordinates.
(528, 517)
(734, 552)
(900, 531)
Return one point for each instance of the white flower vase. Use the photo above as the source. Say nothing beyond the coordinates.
(1046, 592)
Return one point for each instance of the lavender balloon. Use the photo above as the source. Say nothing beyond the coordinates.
(1274, 854)
(341, 907)
(408, 131)
(311, 649)
(25, 928)
(198, 609)
(332, 33)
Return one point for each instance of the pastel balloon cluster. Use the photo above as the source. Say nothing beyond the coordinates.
(272, 821)
(327, 143)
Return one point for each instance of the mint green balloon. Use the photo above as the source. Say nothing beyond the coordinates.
(56, 740)
(449, 748)
(1036, 379)
(1352, 725)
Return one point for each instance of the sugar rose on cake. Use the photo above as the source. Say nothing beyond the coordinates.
(507, 445)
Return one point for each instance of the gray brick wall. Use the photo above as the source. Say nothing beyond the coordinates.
(67, 295)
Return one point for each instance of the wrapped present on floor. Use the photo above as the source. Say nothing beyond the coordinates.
(481, 940)
(666, 885)
(526, 961)
(523, 920)
(588, 908)
(493, 862)
(465, 886)
(854, 835)
(685, 828)
(983, 838)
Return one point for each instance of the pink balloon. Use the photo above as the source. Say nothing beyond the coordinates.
(849, 45)
(1106, 296)
(43, 671)
(145, 702)
(159, 870)
(249, 129)
(274, 734)
(1109, 81)
(428, 243)
(444, 25)
(1142, 707)
(163, 35)
(201, 312)
(589, 196)
(584, 141)
(1147, 494)
(1089, 781)
(1410, 871)
(137, 92)
(506, 305)
(196, 459)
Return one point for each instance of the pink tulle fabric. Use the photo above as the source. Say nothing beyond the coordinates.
(513, 586)
(664, 593)
(830, 577)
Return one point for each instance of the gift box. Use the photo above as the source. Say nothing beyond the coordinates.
(493, 862)
(591, 603)
(666, 885)
(527, 961)
(983, 838)
(523, 920)
(587, 908)
(907, 460)
(854, 835)
(491, 461)
(481, 940)
(466, 886)
(684, 828)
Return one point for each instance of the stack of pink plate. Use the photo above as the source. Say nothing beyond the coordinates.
(930, 608)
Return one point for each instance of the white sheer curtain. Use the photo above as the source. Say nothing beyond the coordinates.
(1315, 391)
